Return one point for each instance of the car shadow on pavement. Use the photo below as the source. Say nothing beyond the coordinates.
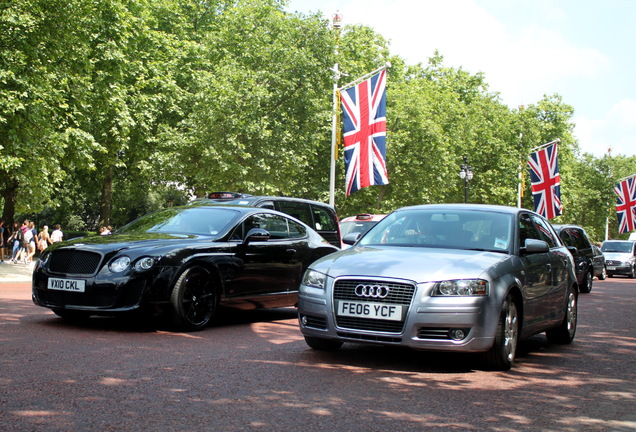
(409, 360)
(144, 322)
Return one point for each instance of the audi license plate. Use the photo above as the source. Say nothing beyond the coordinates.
(611, 268)
(370, 310)
(74, 285)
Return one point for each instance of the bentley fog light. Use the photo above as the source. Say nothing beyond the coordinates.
(461, 287)
(120, 264)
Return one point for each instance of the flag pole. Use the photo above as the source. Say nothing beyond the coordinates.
(558, 140)
(520, 177)
(628, 177)
(367, 76)
(337, 24)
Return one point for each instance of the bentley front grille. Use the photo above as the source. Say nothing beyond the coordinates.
(74, 262)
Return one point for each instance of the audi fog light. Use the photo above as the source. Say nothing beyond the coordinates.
(314, 279)
(457, 334)
(120, 264)
(461, 287)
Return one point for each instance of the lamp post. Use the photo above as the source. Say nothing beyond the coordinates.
(466, 174)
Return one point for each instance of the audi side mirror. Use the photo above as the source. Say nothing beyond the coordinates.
(533, 246)
(351, 238)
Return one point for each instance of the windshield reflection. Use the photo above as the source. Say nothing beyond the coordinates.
(457, 229)
(191, 220)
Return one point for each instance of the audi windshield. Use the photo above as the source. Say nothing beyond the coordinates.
(443, 229)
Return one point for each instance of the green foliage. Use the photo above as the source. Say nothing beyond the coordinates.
(112, 109)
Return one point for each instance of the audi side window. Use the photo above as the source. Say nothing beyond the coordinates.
(527, 230)
(545, 231)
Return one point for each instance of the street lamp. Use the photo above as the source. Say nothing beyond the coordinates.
(466, 174)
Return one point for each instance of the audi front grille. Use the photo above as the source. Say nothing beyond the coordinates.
(398, 294)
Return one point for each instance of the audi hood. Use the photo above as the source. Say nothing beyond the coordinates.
(411, 263)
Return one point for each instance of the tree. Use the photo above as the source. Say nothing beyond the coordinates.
(36, 53)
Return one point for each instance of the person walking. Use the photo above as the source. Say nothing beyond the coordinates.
(57, 235)
(24, 238)
(32, 246)
(14, 242)
(44, 239)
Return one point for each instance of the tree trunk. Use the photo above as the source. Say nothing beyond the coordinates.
(9, 194)
(106, 203)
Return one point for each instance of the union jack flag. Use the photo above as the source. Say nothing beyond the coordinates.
(626, 205)
(364, 118)
(546, 181)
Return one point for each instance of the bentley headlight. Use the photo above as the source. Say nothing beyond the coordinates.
(120, 264)
(314, 279)
(144, 264)
(461, 287)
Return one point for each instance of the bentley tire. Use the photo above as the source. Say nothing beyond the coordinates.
(194, 299)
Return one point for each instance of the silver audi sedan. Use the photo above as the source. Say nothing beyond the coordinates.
(447, 277)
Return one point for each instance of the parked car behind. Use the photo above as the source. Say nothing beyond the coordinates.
(319, 216)
(580, 246)
(599, 263)
(620, 257)
(358, 225)
(183, 262)
(467, 278)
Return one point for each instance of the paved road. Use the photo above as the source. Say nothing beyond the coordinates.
(253, 372)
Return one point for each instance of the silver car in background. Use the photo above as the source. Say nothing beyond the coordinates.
(447, 277)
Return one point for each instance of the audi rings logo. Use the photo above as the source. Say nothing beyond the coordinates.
(375, 291)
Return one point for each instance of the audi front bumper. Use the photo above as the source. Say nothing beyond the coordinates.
(462, 324)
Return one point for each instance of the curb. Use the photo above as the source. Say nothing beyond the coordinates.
(16, 272)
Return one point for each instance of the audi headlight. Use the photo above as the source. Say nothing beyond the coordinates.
(461, 287)
(314, 279)
(144, 264)
(120, 264)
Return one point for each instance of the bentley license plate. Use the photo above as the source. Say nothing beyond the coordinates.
(370, 310)
(73, 285)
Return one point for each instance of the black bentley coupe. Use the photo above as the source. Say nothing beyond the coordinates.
(183, 262)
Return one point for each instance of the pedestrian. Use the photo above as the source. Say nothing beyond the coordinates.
(104, 230)
(32, 246)
(57, 235)
(14, 242)
(44, 239)
(24, 237)
(1, 241)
